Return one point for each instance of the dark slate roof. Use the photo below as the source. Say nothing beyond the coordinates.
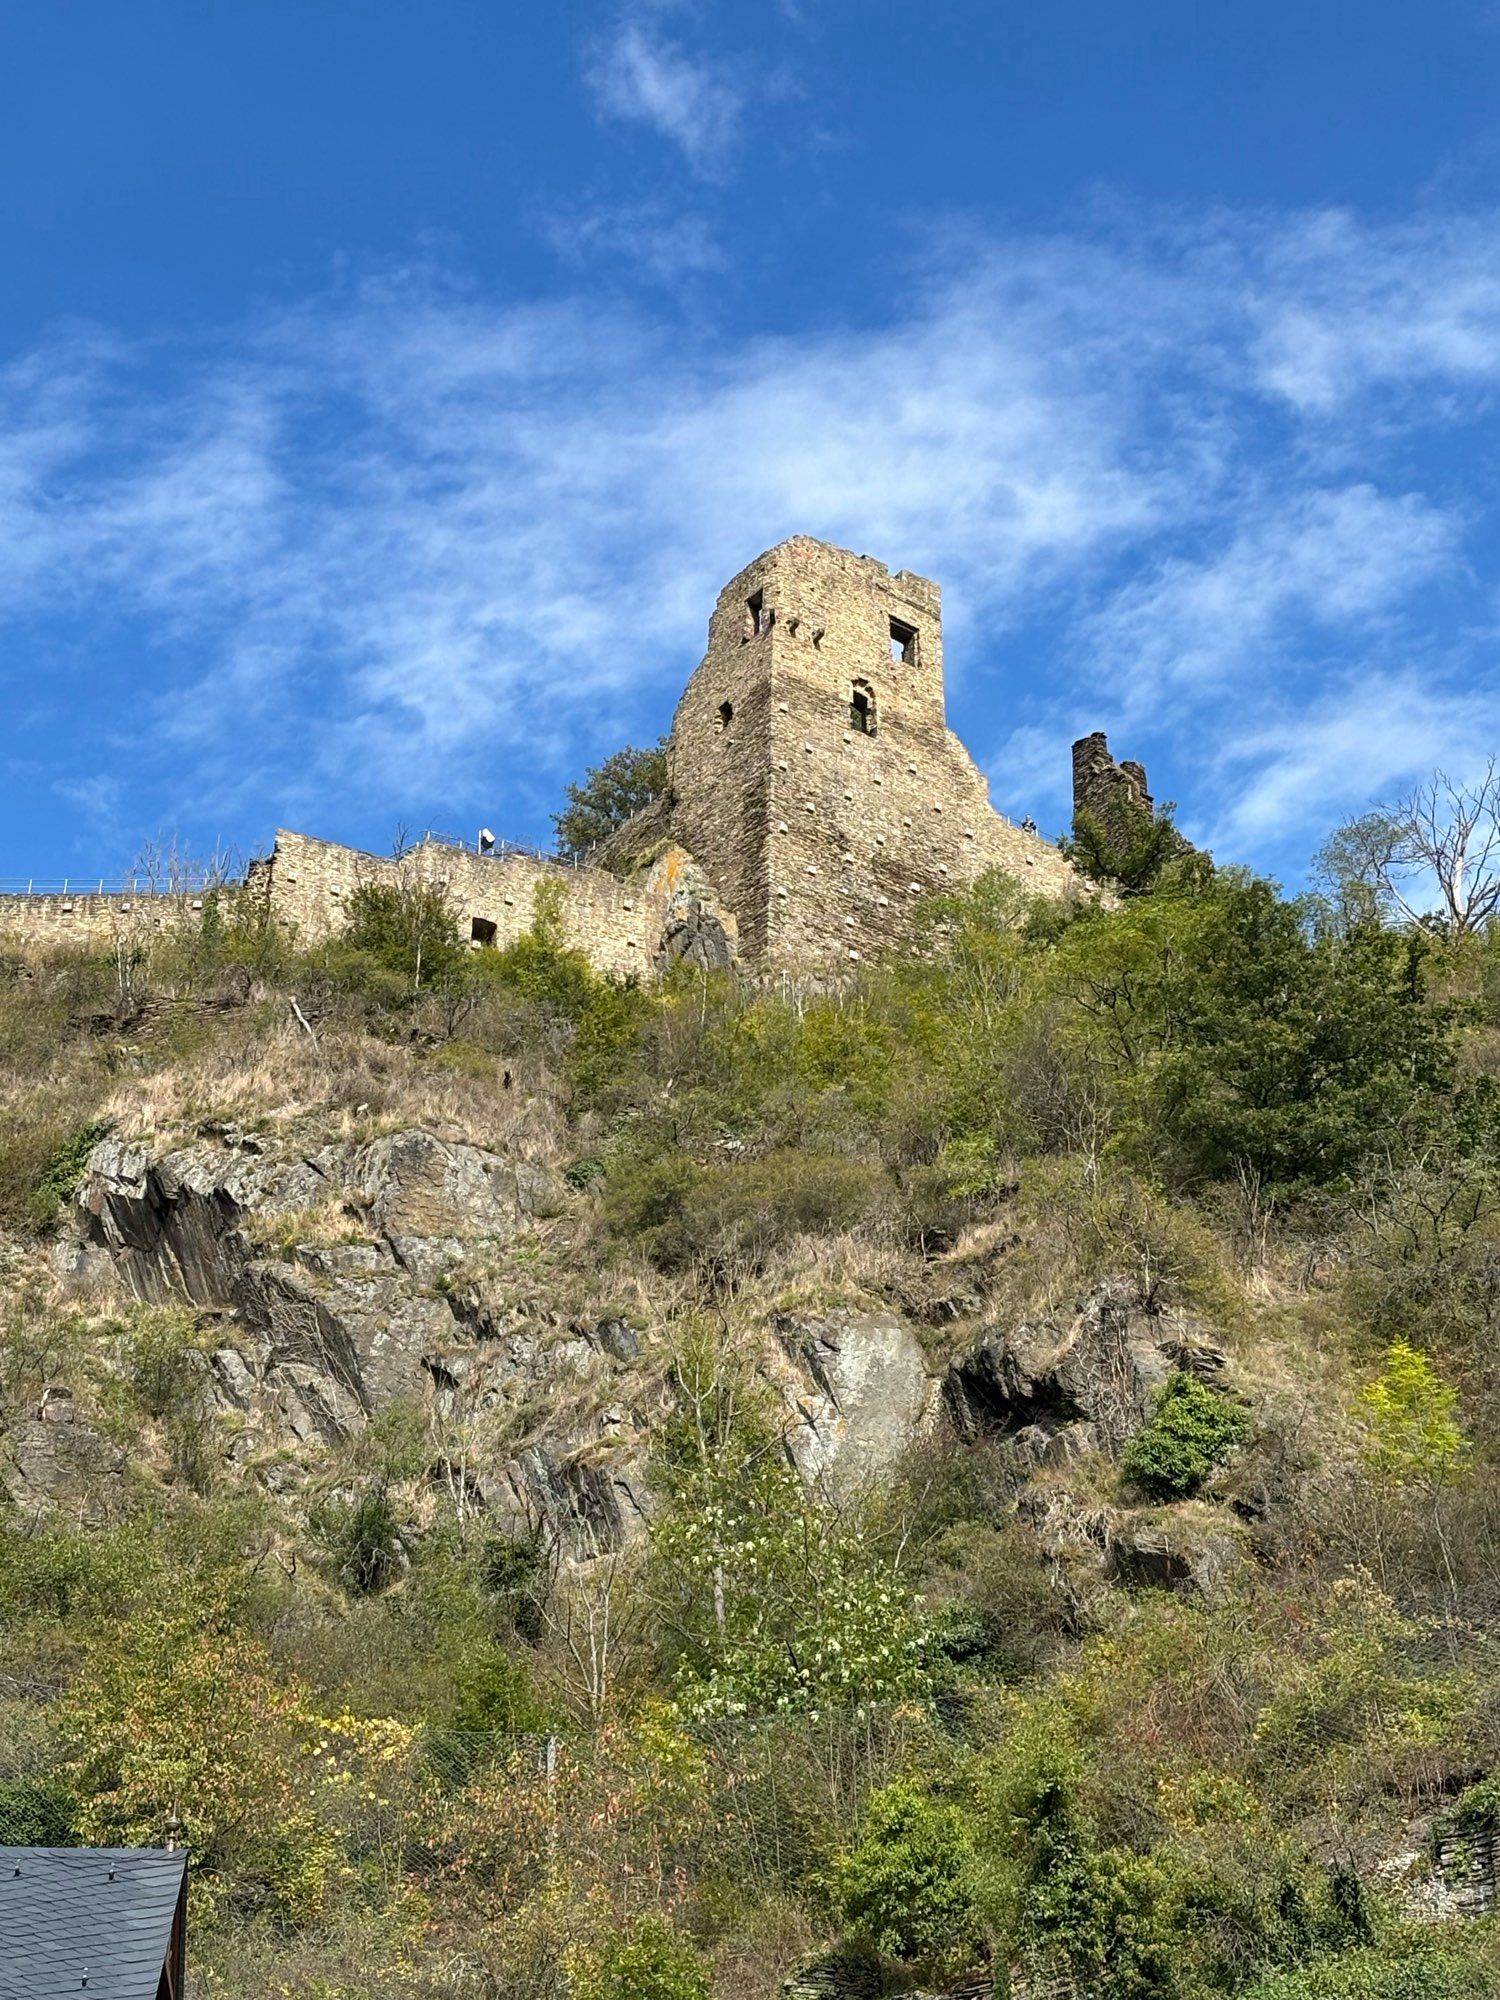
(104, 1913)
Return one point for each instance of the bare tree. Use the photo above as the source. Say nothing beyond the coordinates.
(1432, 857)
(594, 1618)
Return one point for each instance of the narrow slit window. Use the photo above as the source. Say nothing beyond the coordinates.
(482, 931)
(903, 643)
(757, 618)
(726, 714)
(862, 709)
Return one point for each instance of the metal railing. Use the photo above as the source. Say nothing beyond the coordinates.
(21, 885)
(71, 885)
(499, 849)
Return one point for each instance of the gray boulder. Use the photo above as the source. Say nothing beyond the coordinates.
(54, 1461)
(860, 1391)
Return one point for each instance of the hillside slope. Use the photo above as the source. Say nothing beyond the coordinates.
(564, 1488)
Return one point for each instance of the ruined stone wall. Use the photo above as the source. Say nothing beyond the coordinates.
(720, 753)
(93, 921)
(821, 833)
(1101, 786)
(618, 924)
(816, 796)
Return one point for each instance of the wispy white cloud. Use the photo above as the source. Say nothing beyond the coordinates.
(407, 543)
(1326, 561)
(1360, 739)
(1341, 306)
(642, 73)
(667, 245)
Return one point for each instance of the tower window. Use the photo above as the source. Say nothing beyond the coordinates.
(903, 643)
(726, 714)
(757, 618)
(862, 709)
(482, 931)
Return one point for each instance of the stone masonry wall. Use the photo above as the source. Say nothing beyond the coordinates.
(816, 795)
(821, 834)
(1100, 784)
(618, 925)
(93, 920)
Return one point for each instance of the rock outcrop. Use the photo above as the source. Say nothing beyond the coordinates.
(1077, 1381)
(349, 1278)
(352, 1305)
(859, 1389)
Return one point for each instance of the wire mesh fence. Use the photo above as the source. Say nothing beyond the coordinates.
(754, 1801)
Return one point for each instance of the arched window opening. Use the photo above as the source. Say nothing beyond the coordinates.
(862, 708)
(726, 714)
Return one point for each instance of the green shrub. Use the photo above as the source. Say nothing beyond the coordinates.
(1406, 1969)
(59, 1178)
(362, 1539)
(1476, 1810)
(905, 1886)
(1191, 1431)
(407, 927)
(159, 1344)
(651, 1962)
(37, 1812)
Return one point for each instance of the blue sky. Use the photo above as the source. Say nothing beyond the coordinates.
(386, 390)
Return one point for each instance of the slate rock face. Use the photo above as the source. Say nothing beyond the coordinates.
(1182, 1552)
(695, 935)
(173, 1228)
(56, 1462)
(319, 1338)
(1082, 1379)
(861, 1393)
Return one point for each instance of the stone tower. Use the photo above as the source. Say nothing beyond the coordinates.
(814, 777)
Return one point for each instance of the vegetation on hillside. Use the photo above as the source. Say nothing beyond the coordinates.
(924, 1729)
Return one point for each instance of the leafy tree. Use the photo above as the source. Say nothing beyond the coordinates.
(1414, 1438)
(1130, 849)
(1232, 1037)
(406, 926)
(1439, 844)
(651, 1962)
(610, 794)
(169, 1715)
(1191, 1431)
(1103, 1914)
(769, 1601)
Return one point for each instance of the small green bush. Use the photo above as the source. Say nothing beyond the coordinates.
(57, 1181)
(158, 1343)
(652, 1962)
(1406, 1969)
(905, 1886)
(1191, 1431)
(1476, 1810)
(362, 1539)
(408, 928)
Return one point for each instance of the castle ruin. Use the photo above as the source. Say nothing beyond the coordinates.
(816, 796)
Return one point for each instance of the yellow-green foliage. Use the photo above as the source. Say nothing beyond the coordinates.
(418, 1748)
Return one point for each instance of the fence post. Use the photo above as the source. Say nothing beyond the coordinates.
(551, 1769)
